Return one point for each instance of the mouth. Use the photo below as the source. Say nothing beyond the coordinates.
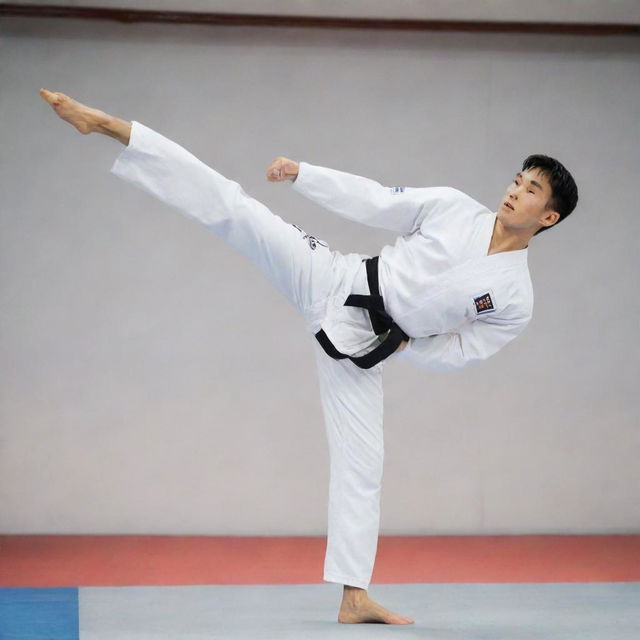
(508, 205)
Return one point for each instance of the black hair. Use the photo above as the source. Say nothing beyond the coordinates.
(564, 191)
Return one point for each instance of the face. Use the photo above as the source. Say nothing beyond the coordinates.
(524, 206)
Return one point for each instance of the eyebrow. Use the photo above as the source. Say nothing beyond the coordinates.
(533, 182)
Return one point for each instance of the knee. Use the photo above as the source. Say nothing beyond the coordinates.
(363, 467)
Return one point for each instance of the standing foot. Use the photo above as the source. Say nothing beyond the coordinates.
(357, 608)
(85, 119)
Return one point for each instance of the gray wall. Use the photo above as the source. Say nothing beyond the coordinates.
(140, 395)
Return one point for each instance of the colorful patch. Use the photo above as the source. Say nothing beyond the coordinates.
(484, 303)
(395, 190)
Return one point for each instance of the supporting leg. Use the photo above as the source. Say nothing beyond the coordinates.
(352, 401)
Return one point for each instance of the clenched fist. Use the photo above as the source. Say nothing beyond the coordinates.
(282, 169)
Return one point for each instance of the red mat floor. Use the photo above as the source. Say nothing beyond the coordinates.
(51, 561)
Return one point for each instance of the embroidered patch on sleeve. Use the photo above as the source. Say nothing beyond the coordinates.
(395, 190)
(312, 240)
(484, 303)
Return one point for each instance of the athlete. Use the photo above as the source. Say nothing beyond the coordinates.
(452, 290)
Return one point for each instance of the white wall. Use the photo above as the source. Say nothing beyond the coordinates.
(139, 394)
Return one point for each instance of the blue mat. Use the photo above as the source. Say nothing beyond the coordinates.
(39, 614)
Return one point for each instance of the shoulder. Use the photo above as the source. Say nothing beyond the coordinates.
(510, 295)
(453, 209)
(448, 194)
(455, 200)
(455, 195)
(519, 299)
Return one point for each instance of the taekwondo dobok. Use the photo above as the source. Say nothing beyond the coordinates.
(436, 289)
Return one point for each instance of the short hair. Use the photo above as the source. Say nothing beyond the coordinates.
(564, 191)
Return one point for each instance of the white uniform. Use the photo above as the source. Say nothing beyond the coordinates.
(436, 279)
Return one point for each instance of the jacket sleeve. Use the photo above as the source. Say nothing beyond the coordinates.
(399, 209)
(474, 342)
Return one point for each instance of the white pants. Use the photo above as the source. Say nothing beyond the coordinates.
(311, 277)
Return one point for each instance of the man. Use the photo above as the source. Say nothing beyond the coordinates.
(452, 290)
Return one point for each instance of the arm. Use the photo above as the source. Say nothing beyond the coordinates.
(356, 198)
(474, 342)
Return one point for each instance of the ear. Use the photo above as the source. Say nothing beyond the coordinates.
(550, 218)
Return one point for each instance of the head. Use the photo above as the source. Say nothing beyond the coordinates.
(542, 194)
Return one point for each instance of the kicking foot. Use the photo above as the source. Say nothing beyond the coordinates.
(357, 607)
(83, 118)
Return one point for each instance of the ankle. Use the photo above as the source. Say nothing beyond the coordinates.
(105, 123)
(114, 128)
(353, 594)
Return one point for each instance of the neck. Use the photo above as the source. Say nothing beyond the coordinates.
(504, 239)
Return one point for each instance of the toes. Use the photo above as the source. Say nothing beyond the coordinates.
(394, 618)
(52, 98)
(398, 620)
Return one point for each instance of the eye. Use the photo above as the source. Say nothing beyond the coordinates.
(530, 191)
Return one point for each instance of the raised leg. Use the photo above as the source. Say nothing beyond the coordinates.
(302, 268)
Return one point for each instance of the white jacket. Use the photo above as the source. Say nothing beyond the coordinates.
(458, 304)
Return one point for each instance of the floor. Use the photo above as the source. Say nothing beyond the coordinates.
(493, 588)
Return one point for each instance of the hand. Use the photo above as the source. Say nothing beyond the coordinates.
(282, 169)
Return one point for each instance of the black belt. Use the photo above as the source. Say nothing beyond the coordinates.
(381, 322)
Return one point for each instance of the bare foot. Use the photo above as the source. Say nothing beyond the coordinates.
(357, 607)
(83, 118)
